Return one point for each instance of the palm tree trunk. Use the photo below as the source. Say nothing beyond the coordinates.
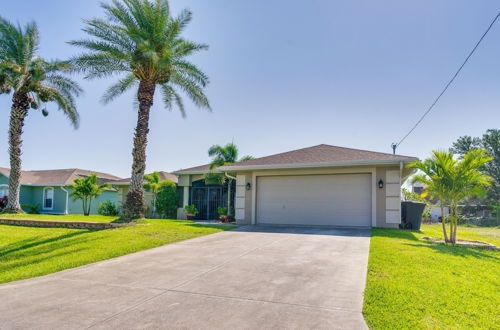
(444, 224)
(19, 111)
(134, 204)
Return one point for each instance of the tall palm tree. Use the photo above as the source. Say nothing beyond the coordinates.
(141, 40)
(223, 155)
(33, 81)
(452, 181)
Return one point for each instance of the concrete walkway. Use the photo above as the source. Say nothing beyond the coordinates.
(250, 278)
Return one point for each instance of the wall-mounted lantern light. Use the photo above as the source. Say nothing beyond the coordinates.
(381, 184)
(249, 186)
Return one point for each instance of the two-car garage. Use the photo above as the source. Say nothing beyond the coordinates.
(325, 200)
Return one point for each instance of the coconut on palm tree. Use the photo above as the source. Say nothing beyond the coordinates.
(33, 82)
(141, 40)
(452, 181)
(223, 155)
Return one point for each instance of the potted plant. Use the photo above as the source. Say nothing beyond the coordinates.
(191, 211)
(222, 214)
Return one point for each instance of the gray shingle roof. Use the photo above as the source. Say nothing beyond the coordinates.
(322, 154)
(58, 177)
(197, 169)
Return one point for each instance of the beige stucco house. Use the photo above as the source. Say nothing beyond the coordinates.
(322, 185)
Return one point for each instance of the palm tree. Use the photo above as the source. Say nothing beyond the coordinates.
(142, 41)
(153, 184)
(452, 181)
(87, 189)
(223, 156)
(33, 82)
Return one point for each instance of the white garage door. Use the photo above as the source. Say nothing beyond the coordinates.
(327, 200)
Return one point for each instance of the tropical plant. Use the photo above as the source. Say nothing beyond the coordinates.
(153, 184)
(451, 181)
(87, 189)
(141, 40)
(33, 82)
(107, 208)
(166, 202)
(191, 210)
(31, 208)
(223, 155)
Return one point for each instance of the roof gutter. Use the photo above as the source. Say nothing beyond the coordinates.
(181, 172)
(314, 165)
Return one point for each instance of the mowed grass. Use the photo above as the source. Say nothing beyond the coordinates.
(415, 284)
(32, 251)
(69, 217)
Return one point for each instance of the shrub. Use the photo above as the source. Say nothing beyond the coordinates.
(166, 200)
(31, 208)
(107, 208)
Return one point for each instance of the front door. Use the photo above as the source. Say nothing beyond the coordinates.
(214, 202)
(207, 200)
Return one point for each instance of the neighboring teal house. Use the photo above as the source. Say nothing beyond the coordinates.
(49, 188)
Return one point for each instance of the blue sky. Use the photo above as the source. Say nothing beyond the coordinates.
(284, 75)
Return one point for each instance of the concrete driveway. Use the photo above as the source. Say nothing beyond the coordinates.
(250, 278)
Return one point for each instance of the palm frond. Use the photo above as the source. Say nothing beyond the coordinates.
(171, 97)
(119, 88)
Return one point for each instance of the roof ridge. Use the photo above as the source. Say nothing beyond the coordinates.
(377, 152)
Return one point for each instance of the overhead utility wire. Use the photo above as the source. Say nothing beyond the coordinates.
(395, 145)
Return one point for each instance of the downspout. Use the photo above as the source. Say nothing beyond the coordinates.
(229, 193)
(67, 199)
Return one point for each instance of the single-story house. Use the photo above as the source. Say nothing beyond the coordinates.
(122, 187)
(49, 188)
(207, 198)
(322, 185)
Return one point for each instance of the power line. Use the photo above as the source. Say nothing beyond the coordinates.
(395, 145)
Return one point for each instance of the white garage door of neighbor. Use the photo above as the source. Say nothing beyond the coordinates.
(327, 200)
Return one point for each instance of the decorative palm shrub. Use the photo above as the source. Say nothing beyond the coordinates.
(451, 181)
(86, 189)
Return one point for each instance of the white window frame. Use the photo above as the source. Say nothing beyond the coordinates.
(7, 189)
(43, 198)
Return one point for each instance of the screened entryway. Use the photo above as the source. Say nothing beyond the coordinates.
(208, 198)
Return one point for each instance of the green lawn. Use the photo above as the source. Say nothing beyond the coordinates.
(31, 251)
(69, 217)
(415, 284)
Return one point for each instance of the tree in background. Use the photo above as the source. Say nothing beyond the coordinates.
(87, 189)
(33, 81)
(141, 40)
(452, 181)
(490, 141)
(221, 156)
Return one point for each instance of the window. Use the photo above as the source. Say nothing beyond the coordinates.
(48, 198)
(4, 191)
